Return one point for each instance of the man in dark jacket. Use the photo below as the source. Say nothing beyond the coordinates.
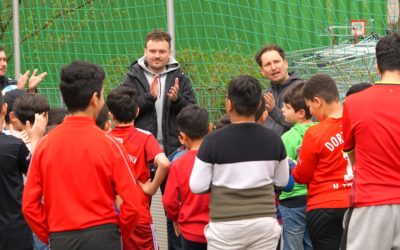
(7, 84)
(163, 90)
(274, 67)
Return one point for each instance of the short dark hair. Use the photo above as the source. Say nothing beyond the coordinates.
(158, 35)
(322, 86)
(193, 120)
(1, 48)
(9, 98)
(123, 103)
(294, 97)
(223, 121)
(56, 116)
(388, 52)
(244, 92)
(79, 80)
(27, 105)
(358, 88)
(102, 117)
(266, 48)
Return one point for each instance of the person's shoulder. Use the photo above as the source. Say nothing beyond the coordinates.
(290, 132)
(133, 71)
(267, 131)
(10, 140)
(185, 160)
(187, 155)
(144, 132)
(134, 65)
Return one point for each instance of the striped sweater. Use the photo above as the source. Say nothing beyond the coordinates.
(239, 165)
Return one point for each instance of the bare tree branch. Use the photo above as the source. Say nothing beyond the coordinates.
(6, 23)
(55, 17)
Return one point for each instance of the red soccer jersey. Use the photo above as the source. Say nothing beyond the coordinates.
(323, 166)
(78, 169)
(142, 138)
(371, 127)
(125, 135)
(190, 210)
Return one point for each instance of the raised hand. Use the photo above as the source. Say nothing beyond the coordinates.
(37, 130)
(173, 91)
(22, 79)
(35, 80)
(269, 101)
(155, 87)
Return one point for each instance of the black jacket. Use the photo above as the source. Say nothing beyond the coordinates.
(147, 118)
(5, 81)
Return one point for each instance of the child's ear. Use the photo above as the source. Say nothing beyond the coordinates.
(137, 112)
(210, 127)
(182, 138)
(95, 99)
(13, 117)
(228, 105)
(301, 113)
(107, 126)
(3, 109)
(318, 101)
(110, 115)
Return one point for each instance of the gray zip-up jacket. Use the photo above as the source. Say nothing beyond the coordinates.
(275, 119)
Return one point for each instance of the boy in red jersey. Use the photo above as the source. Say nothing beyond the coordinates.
(322, 165)
(122, 103)
(76, 172)
(371, 137)
(189, 212)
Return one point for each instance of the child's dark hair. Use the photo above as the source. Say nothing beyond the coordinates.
(322, 86)
(358, 88)
(193, 120)
(260, 110)
(223, 121)
(294, 97)
(244, 92)
(9, 98)
(79, 80)
(123, 103)
(102, 117)
(388, 52)
(27, 105)
(56, 116)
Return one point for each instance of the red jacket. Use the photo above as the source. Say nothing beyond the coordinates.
(142, 138)
(371, 127)
(128, 136)
(77, 169)
(190, 210)
(323, 167)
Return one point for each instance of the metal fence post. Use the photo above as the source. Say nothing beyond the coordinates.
(17, 54)
(170, 23)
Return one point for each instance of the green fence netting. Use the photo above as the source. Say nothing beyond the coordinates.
(215, 39)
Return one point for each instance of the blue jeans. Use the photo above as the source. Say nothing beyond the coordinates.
(38, 245)
(295, 235)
